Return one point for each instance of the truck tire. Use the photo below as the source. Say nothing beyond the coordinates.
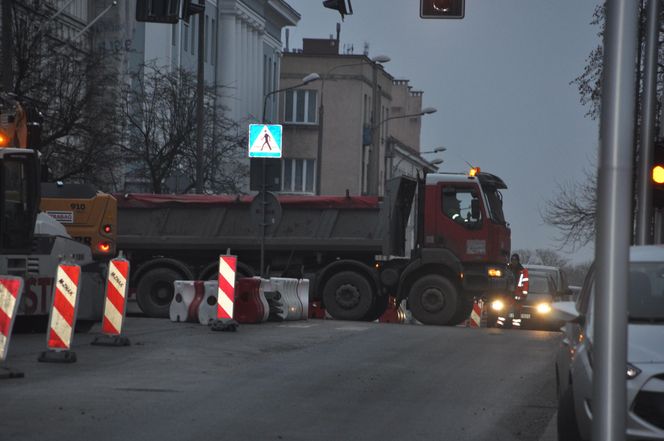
(154, 292)
(348, 296)
(377, 308)
(568, 429)
(434, 300)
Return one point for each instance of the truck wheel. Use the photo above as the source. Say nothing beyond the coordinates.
(377, 308)
(465, 308)
(434, 300)
(568, 429)
(348, 296)
(154, 292)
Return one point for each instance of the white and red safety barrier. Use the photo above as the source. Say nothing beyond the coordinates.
(292, 305)
(115, 306)
(226, 291)
(187, 296)
(11, 289)
(65, 303)
(207, 308)
(475, 320)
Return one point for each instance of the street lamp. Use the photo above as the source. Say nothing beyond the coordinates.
(321, 111)
(306, 80)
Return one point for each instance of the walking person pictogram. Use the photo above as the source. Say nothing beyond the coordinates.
(266, 137)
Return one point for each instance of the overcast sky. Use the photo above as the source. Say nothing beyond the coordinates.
(500, 81)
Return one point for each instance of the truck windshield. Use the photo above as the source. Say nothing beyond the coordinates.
(494, 200)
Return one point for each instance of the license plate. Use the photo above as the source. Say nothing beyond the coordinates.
(525, 316)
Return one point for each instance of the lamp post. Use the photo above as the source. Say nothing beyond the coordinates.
(374, 128)
(306, 80)
(321, 111)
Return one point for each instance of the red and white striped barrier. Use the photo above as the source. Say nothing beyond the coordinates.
(11, 289)
(115, 307)
(475, 320)
(63, 314)
(226, 295)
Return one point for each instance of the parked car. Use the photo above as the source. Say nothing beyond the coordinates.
(645, 370)
(559, 277)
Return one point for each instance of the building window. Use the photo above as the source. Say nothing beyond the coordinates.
(174, 33)
(298, 175)
(301, 106)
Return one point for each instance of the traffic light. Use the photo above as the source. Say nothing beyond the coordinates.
(657, 176)
(343, 6)
(442, 8)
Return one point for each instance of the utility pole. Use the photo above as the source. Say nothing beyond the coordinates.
(614, 221)
(7, 50)
(200, 91)
(648, 114)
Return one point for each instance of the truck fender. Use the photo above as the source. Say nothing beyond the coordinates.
(441, 258)
(323, 275)
(163, 262)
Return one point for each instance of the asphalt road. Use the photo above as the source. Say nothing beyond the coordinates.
(315, 380)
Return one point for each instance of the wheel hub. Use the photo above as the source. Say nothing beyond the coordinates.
(433, 300)
(347, 296)
(162, 293)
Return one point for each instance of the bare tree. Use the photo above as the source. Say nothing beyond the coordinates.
(159, 109)
(68, 83)
(573, 210)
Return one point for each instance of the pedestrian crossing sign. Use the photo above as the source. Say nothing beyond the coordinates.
(265, 140)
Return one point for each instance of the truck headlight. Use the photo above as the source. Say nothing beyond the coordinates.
(497, 305)
(495, 272)
(544, 308)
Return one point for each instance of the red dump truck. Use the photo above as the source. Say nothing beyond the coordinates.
(353, 249)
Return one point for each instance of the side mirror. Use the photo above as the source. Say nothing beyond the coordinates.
(475, 208)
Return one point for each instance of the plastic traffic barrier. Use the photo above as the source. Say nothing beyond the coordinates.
(63, 315)
(188, 295)
(11, 289)
(207, 309)
(303, 295)
(115, 305)
(250, 304)
(226, 295)
(393, 313)
(292, 305)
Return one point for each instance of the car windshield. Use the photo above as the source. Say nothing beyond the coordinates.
(538, 284)
(646, 292)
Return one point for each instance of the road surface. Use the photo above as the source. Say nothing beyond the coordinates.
(314, 380)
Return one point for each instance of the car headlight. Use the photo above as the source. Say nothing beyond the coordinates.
(497, 305)
(544, 308)
(632, 371)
